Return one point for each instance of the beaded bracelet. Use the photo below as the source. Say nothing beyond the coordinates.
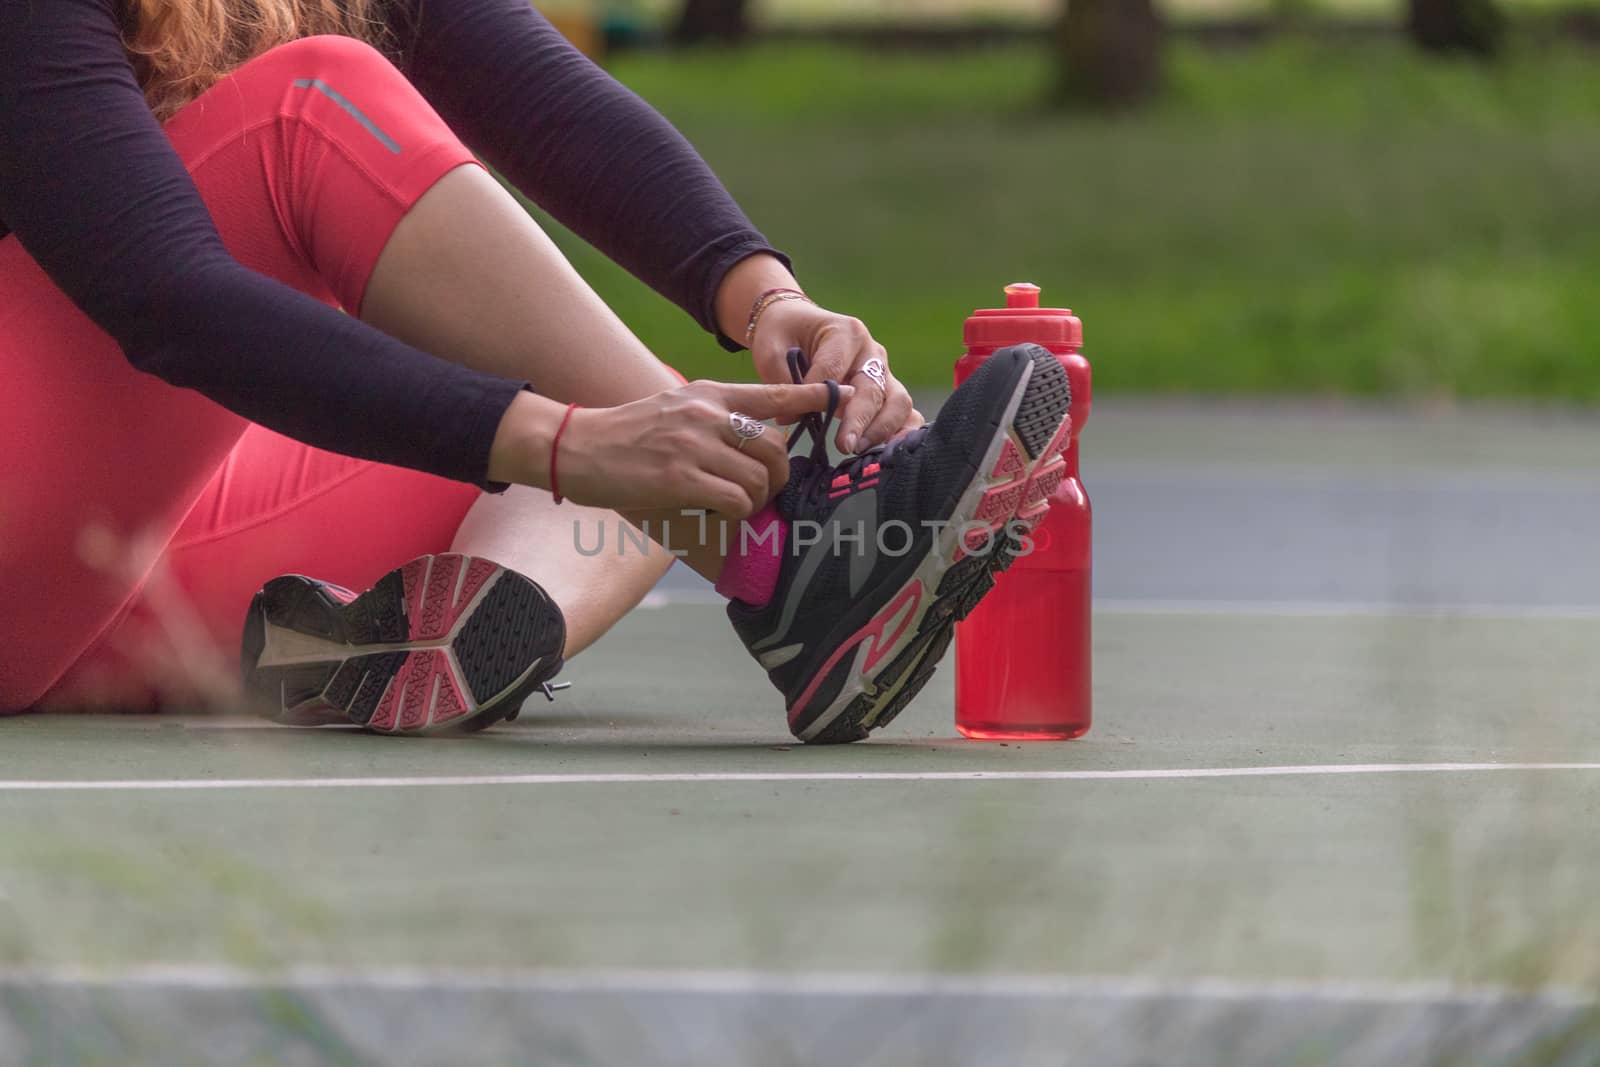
(766, 300)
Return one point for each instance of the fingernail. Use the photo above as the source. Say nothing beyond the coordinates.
(849, 442)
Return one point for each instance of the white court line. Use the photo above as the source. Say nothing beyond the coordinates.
(815, 984)
(1332, 609)
(1403, 477)
(708, 777)
(1260, 609)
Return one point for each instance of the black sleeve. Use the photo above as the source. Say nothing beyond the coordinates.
(578, 144)
(98, 197)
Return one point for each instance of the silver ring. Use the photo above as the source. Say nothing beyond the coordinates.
(874, 369)
(745, 428)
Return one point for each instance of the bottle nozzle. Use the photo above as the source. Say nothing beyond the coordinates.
(1022, 295)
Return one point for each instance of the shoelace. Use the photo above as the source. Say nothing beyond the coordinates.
(549, 689)
(817, 425)
(820, 474)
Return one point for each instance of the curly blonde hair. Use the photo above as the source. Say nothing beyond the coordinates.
(180, 48)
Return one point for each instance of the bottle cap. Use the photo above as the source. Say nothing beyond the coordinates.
(1022, 320)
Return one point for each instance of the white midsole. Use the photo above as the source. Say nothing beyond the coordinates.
(931, 571)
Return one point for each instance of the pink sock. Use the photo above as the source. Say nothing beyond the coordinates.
(755, 555)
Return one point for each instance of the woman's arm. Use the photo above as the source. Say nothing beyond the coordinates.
(95, 192)
(580, 145)
(617, 173)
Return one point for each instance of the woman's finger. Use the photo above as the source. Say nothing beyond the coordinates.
(772, 452)
(891, 418)
(872, 382)
(835, 354)
(718, 453)
(729, 499)
(769, 452)
(772, 401)
(770, 449)
(732, 466)
(770, 359)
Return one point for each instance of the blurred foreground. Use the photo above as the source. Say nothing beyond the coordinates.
(1336, 811)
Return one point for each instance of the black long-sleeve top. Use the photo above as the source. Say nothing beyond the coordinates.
(98, 197)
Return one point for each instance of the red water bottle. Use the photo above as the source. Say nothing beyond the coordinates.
(1022, 656)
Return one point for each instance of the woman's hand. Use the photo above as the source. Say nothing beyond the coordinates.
(843, 349)
(677, 449)
(838, 346)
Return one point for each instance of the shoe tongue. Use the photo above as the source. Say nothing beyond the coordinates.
(791, 497)
(881, 453)
(804, 469)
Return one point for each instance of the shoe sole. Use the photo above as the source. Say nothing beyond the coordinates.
(1009, 491)
(443, 644)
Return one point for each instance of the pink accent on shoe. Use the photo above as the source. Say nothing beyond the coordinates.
(421, 671)
(383, 717)
(882, 643)
(847, 490)
(1062, 440)
(405, 706)
(999, 504)
(437, 613)
(873, 629)
(451, 705)
(1011, 462)
(750, 573)
(1034, 512)
(980, 541)
(1044, 484)
(478, 574)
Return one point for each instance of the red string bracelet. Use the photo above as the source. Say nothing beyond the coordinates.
(555, 483)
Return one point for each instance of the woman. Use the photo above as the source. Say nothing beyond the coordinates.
(263, 312)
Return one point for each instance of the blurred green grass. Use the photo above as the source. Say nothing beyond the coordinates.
(803, 12)
(1301, 217)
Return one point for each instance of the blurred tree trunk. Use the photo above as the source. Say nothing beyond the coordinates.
(711, 20)
(1476, 27)
(1109, 53)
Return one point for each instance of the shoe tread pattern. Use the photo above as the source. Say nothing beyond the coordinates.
(378, 616)
(409, 690)
(1044, 404)
(515, 624)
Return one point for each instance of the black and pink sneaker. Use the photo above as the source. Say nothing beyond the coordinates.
(444, 643)
(884, 552)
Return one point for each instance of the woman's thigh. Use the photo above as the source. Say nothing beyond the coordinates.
(98, 465)
(274, 506)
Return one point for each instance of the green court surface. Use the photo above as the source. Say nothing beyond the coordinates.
(1313, 824)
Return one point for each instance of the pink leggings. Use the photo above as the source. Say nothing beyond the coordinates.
(137, 519)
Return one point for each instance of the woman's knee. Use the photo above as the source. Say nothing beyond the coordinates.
(324, 78)
(349, 146)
